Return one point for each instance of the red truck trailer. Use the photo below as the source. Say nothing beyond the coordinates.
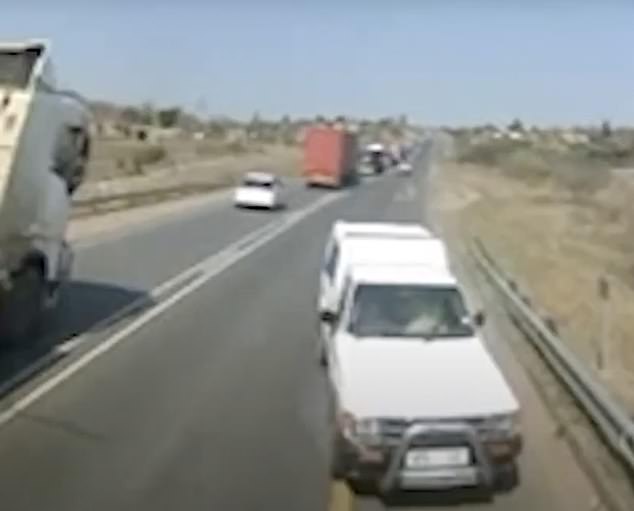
(330, 157)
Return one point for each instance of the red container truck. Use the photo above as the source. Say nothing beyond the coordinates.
(330, 157)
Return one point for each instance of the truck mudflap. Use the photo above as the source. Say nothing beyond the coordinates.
(478, 471)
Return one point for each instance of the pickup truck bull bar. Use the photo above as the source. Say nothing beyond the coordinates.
(431, 435)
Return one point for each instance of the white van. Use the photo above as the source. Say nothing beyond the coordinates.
(420, 404)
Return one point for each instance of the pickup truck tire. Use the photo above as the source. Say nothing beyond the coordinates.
(506, 479)
(338, 466)
(22, 309)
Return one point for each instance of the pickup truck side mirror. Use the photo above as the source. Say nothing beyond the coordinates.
(479, 319)
(327, 316)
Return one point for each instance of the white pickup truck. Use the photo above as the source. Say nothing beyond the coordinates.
(44, 148)
(419, 402)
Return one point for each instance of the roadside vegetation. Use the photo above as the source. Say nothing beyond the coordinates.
(138, 140)
(556, 207)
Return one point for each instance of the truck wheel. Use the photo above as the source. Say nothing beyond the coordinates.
(22, 310)
(322, 355)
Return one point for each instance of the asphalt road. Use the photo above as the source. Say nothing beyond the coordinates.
(210, 397)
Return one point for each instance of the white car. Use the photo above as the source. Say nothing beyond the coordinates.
(364, 242)
(419, 402)
(260, 190)
(404, 168)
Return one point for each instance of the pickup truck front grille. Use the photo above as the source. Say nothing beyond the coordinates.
(394, 429)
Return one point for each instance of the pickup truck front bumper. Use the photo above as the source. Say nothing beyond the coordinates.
(386, 465)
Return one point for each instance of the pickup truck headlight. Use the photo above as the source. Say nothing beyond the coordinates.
(365, 431)
(369, 431)
(501, 426)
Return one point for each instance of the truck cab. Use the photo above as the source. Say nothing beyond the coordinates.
(419, 402)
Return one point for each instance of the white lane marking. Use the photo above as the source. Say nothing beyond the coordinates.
(148, 300)
(164, 288)
(406, 194)
(211, 268)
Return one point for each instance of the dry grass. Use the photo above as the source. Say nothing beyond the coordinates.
(196, 174)
(558, 248)
(113, 159)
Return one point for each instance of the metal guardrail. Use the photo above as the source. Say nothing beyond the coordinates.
(609, 417)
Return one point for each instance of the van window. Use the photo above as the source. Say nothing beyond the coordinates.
(332, 260)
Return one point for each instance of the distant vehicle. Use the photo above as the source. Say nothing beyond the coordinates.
(44, 149)
(366, 167)
(404, 168)
(260, 190)
(377, 157)
(419, 402)
(330, 157)
(361, 242)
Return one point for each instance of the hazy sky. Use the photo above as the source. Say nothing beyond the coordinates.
(437, 61)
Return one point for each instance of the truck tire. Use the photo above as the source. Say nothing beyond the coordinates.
(22, 309)
(322, 355)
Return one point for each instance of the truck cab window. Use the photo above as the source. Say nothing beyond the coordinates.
(16, 67)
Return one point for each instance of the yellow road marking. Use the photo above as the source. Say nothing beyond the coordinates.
(341, 498)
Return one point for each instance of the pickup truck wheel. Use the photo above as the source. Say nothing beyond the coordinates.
(507, 479)
(338, 467)
(22, 309)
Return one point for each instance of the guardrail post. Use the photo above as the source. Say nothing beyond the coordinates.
(605, 359)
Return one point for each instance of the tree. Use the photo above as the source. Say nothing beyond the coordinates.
(216, 129)
(516, 125)
(131, 115)
(148, 113)
(169, 117)
(606, 129)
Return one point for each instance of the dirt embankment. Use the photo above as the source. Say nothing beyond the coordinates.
(558, 245)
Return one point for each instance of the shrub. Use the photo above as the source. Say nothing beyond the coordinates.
(148, 156)
(527, 164)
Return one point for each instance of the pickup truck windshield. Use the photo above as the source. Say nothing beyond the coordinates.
(408, 311)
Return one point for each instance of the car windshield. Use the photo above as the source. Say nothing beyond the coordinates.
(409, 311)
(257, 183)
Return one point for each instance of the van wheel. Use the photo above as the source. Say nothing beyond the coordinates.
(22, 308)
